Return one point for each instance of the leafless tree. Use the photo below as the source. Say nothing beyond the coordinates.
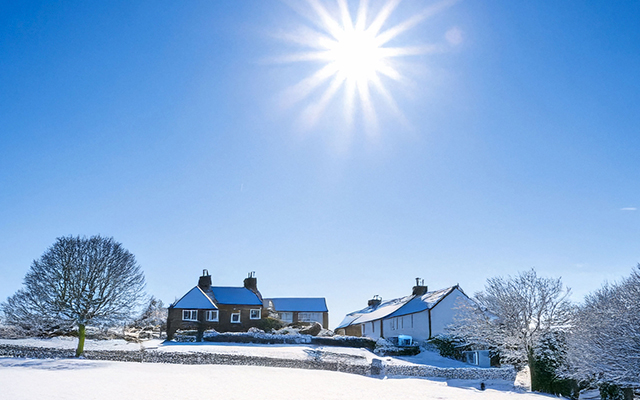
(605, 343)
(76, 282)
(514, 314)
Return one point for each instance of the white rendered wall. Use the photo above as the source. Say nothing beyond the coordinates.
(371, 329)
(415, 325)
(444, 313)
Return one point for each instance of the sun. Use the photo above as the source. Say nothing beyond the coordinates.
(355, 56)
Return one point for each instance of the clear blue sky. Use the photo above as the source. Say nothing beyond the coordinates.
(161, 124)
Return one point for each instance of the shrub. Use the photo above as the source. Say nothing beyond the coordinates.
(270, 324)
(449, 346)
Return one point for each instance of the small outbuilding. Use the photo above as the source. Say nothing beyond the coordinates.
(299, 309)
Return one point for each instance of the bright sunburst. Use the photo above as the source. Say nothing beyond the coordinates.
(355, 57)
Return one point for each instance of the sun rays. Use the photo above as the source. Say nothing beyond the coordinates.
(357, 57)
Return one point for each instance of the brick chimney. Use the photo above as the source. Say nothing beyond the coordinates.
(375, 301)
(205, 280)
(419, 289)
(251, 282)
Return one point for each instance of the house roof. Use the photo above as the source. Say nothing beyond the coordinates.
(373, 313)
(422, 303)
(396, 307)
(309, 304)
(235, 295)
(195, 299)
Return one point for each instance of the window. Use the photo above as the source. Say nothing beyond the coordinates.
(286, 317)
(254, 314)
(189, 315)
(310, 317)
(235, 318)
(471, 357)
(212, 315)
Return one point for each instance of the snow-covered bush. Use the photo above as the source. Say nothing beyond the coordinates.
(326, 333)
(385, 347)
(547, 361)
(270, 324)
(150, 324)
(154, 315)
(312, 329)
(449, 346)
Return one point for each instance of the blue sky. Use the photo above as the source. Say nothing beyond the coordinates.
(161, 124)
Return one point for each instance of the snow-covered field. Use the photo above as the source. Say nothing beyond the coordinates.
(289, 351)
(107, 380)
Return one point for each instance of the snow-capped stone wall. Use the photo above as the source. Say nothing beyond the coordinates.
(317, 360)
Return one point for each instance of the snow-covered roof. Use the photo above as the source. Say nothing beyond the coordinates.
(195, 299)
(235, 295)
(396, 307)
(422, 303)
(373, 313)
(309, 304)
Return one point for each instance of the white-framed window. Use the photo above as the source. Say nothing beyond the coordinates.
(286, 317)
(235, 318)
(189, 315)
(254, 314)
(310, 317)
(212, 315)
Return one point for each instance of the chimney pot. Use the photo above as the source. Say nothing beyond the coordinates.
(419, 289)
(375, 301)
(251, 282)
(205, 280)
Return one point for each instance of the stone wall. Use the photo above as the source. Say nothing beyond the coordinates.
(318, 360)
(334, 362)
(503, 373)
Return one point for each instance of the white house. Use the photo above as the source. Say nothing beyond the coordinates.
(422, 315)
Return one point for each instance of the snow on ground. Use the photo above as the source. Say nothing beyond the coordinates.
(429, 358)
(286, 351)
(105, 380)
(66, 342)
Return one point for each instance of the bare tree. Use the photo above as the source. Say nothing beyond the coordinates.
(514, 314)
(76, 282)
(605, 342)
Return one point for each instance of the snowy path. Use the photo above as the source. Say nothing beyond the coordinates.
(104, 380)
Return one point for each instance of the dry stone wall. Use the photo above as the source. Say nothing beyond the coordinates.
(317, 360)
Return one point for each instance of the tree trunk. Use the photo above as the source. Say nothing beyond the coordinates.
(533, 371)
(81, 332)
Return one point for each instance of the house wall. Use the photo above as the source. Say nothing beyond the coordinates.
(351, 330)
(175, 322)
(444, 313)
(371, 329)
(415, 325)
(324, 318)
